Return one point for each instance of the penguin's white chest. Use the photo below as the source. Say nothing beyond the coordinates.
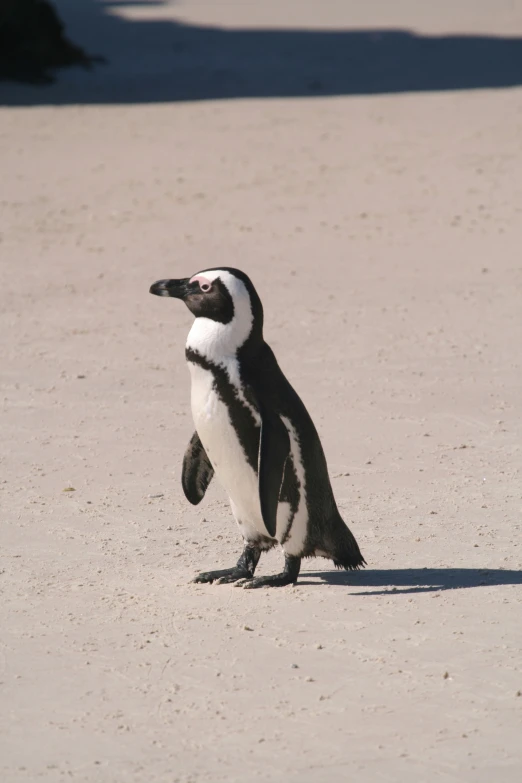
(225, 452)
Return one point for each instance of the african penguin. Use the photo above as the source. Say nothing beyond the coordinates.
(255, 434)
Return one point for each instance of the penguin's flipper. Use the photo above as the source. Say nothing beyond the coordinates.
(197, 471)
(274, 448)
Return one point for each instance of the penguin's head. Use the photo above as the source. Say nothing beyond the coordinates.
(225, 297)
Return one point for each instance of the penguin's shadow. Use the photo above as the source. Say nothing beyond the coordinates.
(394, 581)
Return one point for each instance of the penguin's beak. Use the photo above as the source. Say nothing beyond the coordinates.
(176, 288)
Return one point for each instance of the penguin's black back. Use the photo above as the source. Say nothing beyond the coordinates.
(264, 380)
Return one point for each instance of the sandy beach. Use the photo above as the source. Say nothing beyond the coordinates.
(363, 164)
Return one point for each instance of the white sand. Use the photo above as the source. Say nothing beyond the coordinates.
(384, 234)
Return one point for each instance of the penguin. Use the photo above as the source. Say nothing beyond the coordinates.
(254, 433)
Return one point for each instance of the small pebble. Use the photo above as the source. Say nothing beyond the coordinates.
(247, 628)
(309, 679)
(294, 666)
(159, 495)
(445, 675)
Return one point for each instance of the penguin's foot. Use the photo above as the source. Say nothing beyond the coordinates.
(287, 577)
(244, 568)
(225, 576)
(235, 576)
(277, 580)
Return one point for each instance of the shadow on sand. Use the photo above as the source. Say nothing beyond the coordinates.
(159, 60)
(414, 580)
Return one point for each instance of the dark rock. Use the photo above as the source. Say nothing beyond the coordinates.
(32, 42)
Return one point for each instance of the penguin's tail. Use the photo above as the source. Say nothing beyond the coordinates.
(345, 549)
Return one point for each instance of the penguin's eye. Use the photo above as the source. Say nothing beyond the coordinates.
(205, 287)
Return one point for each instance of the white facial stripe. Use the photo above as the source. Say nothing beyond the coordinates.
(215, 340)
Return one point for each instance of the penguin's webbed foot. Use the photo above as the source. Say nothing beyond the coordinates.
(225, 576)
(277, 580)
(287, 577)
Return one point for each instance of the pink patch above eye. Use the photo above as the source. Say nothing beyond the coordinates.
(204, 283)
